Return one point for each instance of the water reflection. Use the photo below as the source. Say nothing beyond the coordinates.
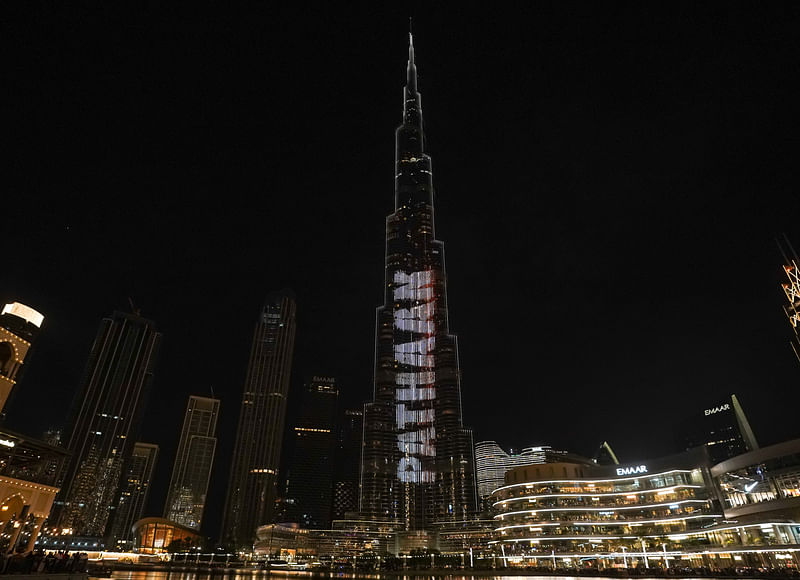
(261, 574)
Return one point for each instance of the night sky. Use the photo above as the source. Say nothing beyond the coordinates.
(609, 185)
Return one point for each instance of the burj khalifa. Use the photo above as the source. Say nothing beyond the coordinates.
(417, 458)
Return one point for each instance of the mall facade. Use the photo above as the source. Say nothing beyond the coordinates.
(677, 511)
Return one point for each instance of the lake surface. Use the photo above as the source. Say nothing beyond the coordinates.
(260, 574)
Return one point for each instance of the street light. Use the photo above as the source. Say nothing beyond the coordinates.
(644, 551)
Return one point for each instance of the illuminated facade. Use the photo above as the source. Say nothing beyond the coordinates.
(186, 497)
(27, 488)
(564, 512)
(492, 462)
(417, 462)
(762, 484)
(671, 512)
(18, 326)
(351, 540)
(472, 536)
(106, 419)
(259, 436)
(133, 494)
(158, 535)
(576, 510)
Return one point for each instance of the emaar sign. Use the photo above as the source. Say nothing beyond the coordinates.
(631, 470)
(725, 407)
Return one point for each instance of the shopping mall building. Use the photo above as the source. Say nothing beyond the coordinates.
(675, 511)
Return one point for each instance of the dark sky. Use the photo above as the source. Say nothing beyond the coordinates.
(609, 182)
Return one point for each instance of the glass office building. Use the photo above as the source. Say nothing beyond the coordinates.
(107, 415)
(252, 484)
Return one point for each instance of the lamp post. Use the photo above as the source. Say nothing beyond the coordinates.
(644, 552)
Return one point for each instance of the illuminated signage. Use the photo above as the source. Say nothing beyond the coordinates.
(725, 407)
(631, 470)
(25, 312)
(7, 443)
(415, 387)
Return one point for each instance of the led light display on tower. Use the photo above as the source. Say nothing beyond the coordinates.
(415, 308)
(417, 461)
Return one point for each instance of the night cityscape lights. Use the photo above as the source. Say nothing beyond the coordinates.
(556, 514)
(393, 481)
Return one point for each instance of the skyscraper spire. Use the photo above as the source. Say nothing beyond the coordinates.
(411, 73)
(413, 173)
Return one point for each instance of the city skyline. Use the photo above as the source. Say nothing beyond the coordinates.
(629, 203)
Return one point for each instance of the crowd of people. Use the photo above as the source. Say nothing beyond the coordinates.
(39, 562)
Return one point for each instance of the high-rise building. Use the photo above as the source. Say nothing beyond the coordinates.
(418, 465)
(186, 497)
(722, 427)
(347, 463)
(309, 481)
(133, 494)
(19, 325)
(492, 462)
(105, 420)
(259, 435)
